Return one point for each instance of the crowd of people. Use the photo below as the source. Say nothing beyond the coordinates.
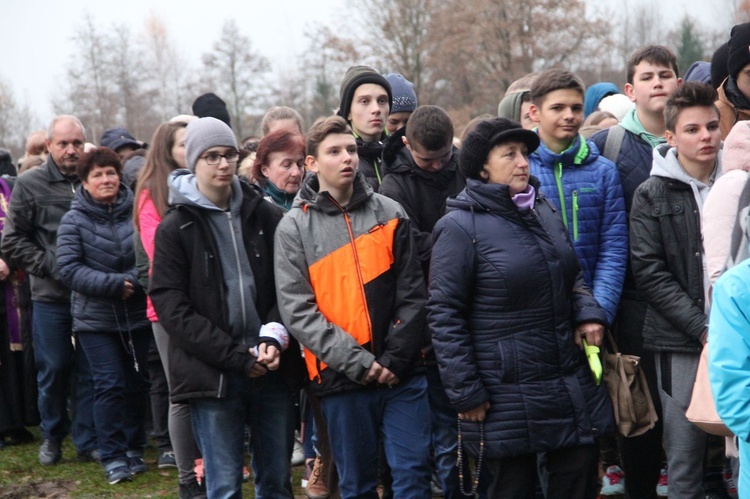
(395, 300)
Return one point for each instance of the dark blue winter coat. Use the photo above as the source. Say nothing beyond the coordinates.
(585, 187)
(506, 291)
(94, 257)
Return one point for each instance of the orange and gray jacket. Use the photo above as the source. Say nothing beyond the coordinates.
(349, 286)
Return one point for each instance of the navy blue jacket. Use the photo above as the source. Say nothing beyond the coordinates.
(506, 290)
(94, 258)
(634, 165)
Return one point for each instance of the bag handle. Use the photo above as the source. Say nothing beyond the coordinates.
(611, 342)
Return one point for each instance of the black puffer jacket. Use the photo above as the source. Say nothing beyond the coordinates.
(667, 258)
(187, 289)
(421, 193)
(94, 257)
(506, 290)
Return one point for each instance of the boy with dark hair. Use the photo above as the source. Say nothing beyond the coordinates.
(366, 101)
(422, 166)
(584, 186)
(351, 291)
(669, 269)
(652, 76)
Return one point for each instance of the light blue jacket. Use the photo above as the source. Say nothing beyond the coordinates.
(585, 187)
(729, 358)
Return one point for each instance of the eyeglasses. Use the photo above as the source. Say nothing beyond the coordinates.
(214, 158)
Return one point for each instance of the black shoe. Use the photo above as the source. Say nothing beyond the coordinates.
(19, 437)
(49, 452)
(192, 490)
(90, 456)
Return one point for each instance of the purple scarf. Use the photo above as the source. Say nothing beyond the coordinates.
(524, 200)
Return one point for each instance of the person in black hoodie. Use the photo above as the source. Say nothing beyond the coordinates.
(366, 100)
(421, 166)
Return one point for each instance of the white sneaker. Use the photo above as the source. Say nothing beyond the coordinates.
(298, 454)
(613, 481)
(662, 488)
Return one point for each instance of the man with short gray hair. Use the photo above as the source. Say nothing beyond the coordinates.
(41, 197)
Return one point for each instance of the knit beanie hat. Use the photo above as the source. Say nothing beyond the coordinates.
(477, 145)
(617, 104)
(404, 98)
(719, 66)
(205, 133)
(354, 77)
(736, 151)
(211, 104)
(510, 105)
(739, 49)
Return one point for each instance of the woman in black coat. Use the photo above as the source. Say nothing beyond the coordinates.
(508, 310)
(96, 260)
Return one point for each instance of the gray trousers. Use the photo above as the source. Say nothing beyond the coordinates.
(684, 443)
(180, 426)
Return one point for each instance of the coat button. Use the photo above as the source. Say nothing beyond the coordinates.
(698, 254)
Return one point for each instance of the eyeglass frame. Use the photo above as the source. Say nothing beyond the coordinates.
(220, 157)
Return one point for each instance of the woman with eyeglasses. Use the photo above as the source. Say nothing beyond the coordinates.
(212, 286)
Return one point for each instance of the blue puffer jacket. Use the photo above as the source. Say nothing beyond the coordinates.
(95, 256)
(586, 188)
(506, 290)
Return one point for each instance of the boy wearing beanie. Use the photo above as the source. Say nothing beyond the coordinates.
(734, 92)
(213, 288)
(404, 102)
(366, 100)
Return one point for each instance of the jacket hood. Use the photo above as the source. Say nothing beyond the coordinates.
(580, 152)
(736, 150)
(310, 197)
(488, 197)
(121, 208)
(667, 165)
(595, 93)
(183, 190)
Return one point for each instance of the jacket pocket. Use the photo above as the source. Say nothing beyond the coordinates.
(505, 361)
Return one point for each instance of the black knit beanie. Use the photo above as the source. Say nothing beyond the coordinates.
(739, 49)
(476, 147)
(354, 77)
(211, 105)
(719, 66)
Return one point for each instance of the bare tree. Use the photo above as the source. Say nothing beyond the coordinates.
(16, 121)
(398, 31)
(166, 67)
(237, 74)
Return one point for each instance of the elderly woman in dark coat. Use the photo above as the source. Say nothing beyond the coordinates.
(96, 261)
(508, 310)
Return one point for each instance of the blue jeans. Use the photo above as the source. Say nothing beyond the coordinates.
(266, 405)
(355, 422)
(56, 362)
(444, 437)
(120, 391)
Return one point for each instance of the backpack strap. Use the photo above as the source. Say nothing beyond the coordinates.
(613, 143)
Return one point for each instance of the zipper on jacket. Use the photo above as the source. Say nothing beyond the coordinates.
(317, 364)
(359, 275)
(239, 274)
(575, 215)
(561, 193)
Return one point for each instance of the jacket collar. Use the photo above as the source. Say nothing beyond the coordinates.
(579, 153)
(55, 175)
(310, 197)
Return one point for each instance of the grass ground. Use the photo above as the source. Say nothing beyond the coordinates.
(22, 477)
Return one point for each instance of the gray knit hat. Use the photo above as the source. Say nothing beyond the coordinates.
(205, 133)
(354, 77)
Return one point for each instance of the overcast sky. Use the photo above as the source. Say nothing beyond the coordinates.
(36, 38)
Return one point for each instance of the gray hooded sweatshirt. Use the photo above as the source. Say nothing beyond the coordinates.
(667, 165)
(235, 265)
